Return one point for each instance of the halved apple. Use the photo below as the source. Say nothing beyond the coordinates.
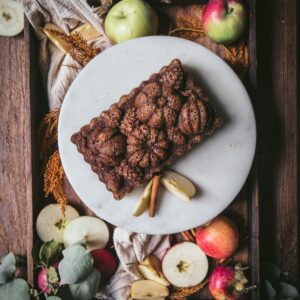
(51, 223)
(178, 185)
(185, 265)
(148, 290)
(11, 18)
(151, 269)
(90, 231)
(143, 201)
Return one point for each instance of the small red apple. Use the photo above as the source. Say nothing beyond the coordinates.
(219, 238)
(225, 21)
(228, 283)
(43, 281)
(48, 279)
(104, 261)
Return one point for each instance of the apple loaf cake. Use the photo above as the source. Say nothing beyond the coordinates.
(147, 129)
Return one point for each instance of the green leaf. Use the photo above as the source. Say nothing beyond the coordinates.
(50, 252)
(76, 264)
(16, 289)
(270, 271)
(7, 268)
(87, 288)
(35, 253)
(270, 291)
(53, 298)
(35, 294)
(287, 290)
(52, 275)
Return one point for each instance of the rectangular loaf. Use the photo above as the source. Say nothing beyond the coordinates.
(147, 129)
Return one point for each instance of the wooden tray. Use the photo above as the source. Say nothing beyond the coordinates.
(26, 197)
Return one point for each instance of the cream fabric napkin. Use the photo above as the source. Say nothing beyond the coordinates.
(131, 248)
(59, 70)
(57, 74)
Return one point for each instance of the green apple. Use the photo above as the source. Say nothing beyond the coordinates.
(225, 21)
(130, 19)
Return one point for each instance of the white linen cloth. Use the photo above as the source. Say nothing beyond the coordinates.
(59, 70)
(131, 248)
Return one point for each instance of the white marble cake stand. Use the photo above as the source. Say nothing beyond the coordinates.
(219, 166)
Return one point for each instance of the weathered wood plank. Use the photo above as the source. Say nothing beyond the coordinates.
(15, 147)
(278, 134)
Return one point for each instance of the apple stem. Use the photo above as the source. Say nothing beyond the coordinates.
(249, 288)
(244, 269)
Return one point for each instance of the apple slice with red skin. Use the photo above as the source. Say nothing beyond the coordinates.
(150, 268)
(104, 261)
(148, 290)
(185, 265)
(218, 238)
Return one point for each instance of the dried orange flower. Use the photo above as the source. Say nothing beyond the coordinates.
(237, 57)
(54, 180)
(183, 293)
(47, 134)
(187, 24)
(79, 48)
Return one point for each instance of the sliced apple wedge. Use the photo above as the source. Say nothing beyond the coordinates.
(51, 223)
(185, 265)
(87, 31)
(91, 231)
(151, 269)
(56, 40)
(178, 185)
(143, 201)
(148, 290)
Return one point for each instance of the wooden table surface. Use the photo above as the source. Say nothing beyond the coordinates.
(277, 152)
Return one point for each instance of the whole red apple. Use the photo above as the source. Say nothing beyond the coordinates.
(225, 21)
(48, 279)
(219, 238)
(104, 261)
(228, 283)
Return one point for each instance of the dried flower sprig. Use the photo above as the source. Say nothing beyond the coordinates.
(54, 180)
(103, 8)
(183, 293)
(237, 57)
(178, 31)
(80, 50)
(47, 134)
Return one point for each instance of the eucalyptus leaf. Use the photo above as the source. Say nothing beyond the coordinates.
(87, 288)
(50, 252)
(7, 268)
(76, 264)
(271, 272)
(16, 289)
(287, 290)
(270, 291)
(53, 298)
(35, 294)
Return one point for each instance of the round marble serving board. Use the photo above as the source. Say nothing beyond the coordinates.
(218, 166)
